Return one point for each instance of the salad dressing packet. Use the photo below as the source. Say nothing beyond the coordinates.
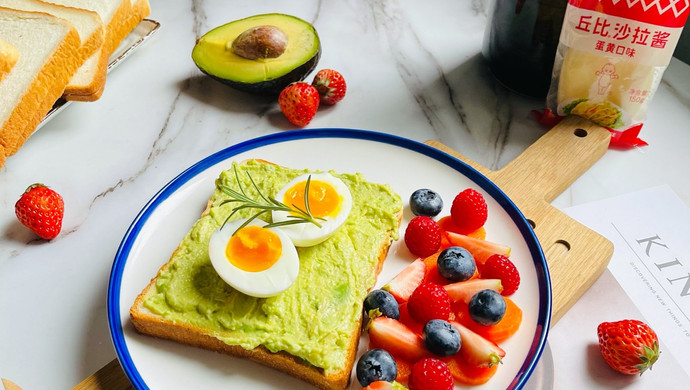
(611, 57)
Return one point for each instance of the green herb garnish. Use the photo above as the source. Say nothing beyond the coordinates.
(267, 204)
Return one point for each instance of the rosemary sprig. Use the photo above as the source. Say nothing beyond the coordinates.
(266, 204)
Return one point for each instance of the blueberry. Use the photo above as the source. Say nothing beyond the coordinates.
(384, 301)
(426, 202)
(376, 365)
(456, 264)
(441, 338)
(487, 307)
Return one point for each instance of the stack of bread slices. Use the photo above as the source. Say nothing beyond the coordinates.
(55, 48)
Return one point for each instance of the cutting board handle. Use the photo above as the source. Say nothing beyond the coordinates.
(556, 160)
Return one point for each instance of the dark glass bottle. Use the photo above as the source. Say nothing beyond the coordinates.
(520, 42)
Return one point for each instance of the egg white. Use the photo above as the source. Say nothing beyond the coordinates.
(272, 281)
(308, 234)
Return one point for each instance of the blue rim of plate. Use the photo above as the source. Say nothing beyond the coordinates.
(113, 298)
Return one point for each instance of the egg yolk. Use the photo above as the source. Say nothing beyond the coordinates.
(324, 200)
(253, 249)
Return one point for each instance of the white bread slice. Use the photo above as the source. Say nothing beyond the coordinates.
(46, 63)
(91, 32)
(140, 10)
(114, 14)
(8, 57)
(147, 322)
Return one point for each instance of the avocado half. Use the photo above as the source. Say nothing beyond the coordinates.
(214, 56)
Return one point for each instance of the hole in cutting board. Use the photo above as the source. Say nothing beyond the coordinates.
(557, 249)
(564, 243)
(531, 223)
(582, 133)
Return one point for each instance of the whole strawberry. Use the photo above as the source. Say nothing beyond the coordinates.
(331, 86)
(423, 236)
(299, 102)
(469, 211)
(498, 266)
(41, 210)
(429, 301)
(628, 346)
(431, 374)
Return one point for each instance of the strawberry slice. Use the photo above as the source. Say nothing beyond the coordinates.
(383, 385)
(404, 367)
(404, 283)
(477, 350)
(463, 291)
(480, 249)
(396, 338)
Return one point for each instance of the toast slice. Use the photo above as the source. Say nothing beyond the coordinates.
(140, 10)
(91, 32)
(45, 44)
(311, 330)
(8, 57)
(89, 82)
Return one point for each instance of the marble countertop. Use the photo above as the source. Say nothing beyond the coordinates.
(413, 69)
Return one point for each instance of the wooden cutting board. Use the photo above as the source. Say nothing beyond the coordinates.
(576, 255)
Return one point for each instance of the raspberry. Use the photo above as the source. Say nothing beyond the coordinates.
(469, 211)
(429, 301)
(423, 236)
(500, 267)
(430, 374)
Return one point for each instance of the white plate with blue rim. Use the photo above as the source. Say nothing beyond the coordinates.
(405, 165)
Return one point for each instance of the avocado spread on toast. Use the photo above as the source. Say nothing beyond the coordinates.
(315, 318)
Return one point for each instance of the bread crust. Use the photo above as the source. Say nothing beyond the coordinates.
(45, 89)
(140, 10)
(94, 90)
(91, 47)
(115, 31)
(148, 323)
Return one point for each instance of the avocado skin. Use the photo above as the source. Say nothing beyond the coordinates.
(274, 86)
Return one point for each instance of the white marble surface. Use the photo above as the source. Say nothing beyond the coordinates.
(413, 69)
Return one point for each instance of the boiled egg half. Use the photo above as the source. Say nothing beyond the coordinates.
(255, 260)
(329, 200)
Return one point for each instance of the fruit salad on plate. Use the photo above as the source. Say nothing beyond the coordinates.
(441, 320)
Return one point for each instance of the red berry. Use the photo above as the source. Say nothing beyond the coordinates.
(299, 102)
(430, 374)
(628, 346)
(469, 211)
(331, 86)
(429, 301)
(500, 267)
(41, 210)
(423, 236)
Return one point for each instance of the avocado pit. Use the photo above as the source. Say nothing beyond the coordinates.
(264, 41)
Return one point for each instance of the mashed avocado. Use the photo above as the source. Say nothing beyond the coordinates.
(315, 317)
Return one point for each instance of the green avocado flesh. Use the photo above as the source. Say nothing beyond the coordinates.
(214, 56)
(314, 318)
